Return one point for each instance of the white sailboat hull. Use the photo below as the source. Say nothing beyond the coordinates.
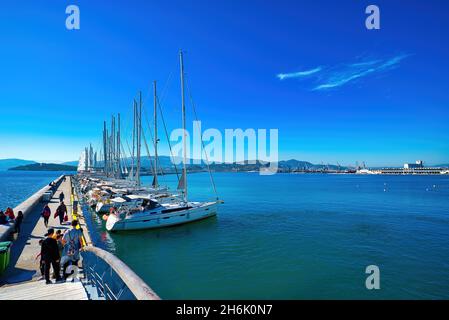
(154, 221)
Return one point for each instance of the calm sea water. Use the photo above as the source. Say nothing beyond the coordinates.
(17, 186)
(298, 237)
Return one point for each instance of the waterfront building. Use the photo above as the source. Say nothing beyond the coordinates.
(416, 168)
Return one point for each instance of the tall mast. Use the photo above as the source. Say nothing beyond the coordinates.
(139, 137)
(86, 159)
(134, 138)
(155, 182)
(90, 161)
(105, 148)
(184, 170)
(112, 162)
(119, 167)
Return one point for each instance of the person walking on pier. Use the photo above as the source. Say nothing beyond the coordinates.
(46, 213)
(61, 212)
(73, 243)
(50, 256)
(61, 197)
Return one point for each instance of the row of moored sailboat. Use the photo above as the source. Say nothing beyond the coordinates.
(115, 192)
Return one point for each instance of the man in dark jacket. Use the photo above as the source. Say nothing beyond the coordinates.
(61, 197)
(50, 256)
(61, 212)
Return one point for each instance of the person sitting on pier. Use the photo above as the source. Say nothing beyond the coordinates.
(10, 214)
(3, 218)
(50, 256)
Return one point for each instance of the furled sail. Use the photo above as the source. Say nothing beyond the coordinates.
(82, 163)
(182, 181)
(154, 184)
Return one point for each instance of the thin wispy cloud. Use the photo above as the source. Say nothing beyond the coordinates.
(299, 74)
(325, 78)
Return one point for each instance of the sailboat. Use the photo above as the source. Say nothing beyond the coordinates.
(120, 195)
(153, 214)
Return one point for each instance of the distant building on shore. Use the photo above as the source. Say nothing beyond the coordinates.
(418, 164)
(416, 168)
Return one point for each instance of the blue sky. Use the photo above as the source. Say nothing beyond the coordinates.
(336, 91)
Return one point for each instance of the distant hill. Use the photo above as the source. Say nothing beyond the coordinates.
(71, 163)
(166, 163)
(296, 164)
(6, 164)
(44, 167)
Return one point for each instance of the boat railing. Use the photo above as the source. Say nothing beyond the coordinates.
(109, 278)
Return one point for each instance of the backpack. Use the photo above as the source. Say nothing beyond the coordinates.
(73, 246)
(46, 213)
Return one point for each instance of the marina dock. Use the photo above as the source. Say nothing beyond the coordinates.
(102, 276)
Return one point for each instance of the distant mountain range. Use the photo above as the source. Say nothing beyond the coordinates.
(6, 164)
(166, 163)
(44, 167)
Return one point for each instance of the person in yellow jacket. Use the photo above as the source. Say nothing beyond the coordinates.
(56, 235)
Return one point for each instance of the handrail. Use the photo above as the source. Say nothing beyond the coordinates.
(134, 283)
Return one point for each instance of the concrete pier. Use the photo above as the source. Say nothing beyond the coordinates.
(27, 208)
(103, 275)
(22, 278)
(24, 265)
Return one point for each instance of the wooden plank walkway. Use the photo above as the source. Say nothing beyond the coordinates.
(38, 290)
(23, 276)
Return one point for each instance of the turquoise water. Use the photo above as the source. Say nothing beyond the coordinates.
(17, 186)
(301, 237)
(294, 237)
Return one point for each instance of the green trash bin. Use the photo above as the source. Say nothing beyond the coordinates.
(4, 255)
